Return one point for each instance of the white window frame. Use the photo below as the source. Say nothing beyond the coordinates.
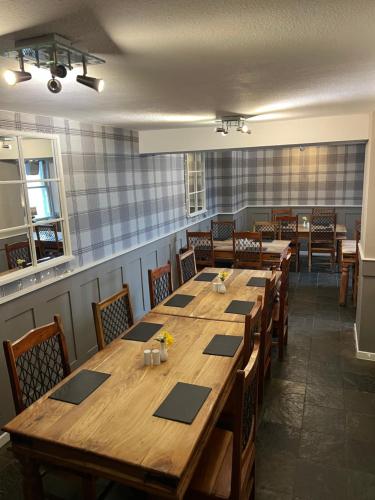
(27, 228)
(189, 173)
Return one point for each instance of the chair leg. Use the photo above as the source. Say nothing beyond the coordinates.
(310, 259)
(281, 342)
(88, 487)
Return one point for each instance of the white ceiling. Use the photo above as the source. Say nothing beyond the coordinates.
(173, 63)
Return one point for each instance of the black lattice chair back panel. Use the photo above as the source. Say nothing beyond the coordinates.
(323, 210)
(247, 247)
(188, 266)
(288, 227)
(269, 230)
(160, 284)
(36, 363)
(252, 326)
(268, 302)
(46, 232)
(249, 409)
(202, 242)
(223, 230)
(323, 228)
(17, 251)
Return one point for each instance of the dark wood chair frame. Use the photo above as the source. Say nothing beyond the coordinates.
(204, 255)
(252, 326)
(277, 212)
(290, 233)
(239, 254)
(19, 246)
(326, 243)
(163, 272)
(280, 321)
(98, 307)
(268, 229)
(181, 259)
(323, 210)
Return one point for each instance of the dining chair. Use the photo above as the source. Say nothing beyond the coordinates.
(222, 230)
(17, 251)
(277, 212)
(281, 308)
(356, 265)
(322, 237)
(323, 210)
(265, 354)
(46, 232)
(203, 245)
(160, 284)
(252, 326)
(226, 469)
(112, 316)
(36, 363)
(268, 229)
(288, 230)
(48, 241)
(186, 266)
(247, 250)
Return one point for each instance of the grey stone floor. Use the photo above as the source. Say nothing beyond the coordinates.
(316, 439)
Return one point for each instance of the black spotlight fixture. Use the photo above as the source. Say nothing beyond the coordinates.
(58, 70)
(13, 77)
(54, 85)
(94, 83)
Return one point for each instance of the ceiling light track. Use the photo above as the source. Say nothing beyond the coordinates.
(232, 122)
(55, 54)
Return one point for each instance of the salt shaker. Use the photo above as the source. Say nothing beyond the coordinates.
(155, 357)
(147, 357)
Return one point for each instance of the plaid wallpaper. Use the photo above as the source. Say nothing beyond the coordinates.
(317, 175)
(117, 198)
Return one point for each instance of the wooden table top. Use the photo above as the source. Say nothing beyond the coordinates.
(274, 247)
(340, 229)
(114, 428)
(349, 247)
(208, 304)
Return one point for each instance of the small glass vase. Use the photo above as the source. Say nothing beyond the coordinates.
(163, 352)
(221, 288)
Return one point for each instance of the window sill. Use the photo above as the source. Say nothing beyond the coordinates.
(195, 214)
(29, 271)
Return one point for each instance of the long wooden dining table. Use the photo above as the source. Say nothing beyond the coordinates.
(272, 250)
(113, 432)
(208, 304)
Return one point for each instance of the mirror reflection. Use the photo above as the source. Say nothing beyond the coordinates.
(15, 253)
(48, 240)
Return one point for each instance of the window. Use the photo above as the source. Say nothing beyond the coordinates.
(195, 183)
(33, 217)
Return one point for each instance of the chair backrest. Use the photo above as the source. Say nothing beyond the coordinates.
(186, 266)
(276, 212)
(323, 210)
(46, 232)
(268, 302)
(36, 363)
(160, 284)
(323, 229)
(244, 427)
(284, 284)
(247, 249)
(252, 326)
(112, 316)
(16, 251)
(203, 245)
(288, 227)
(223, 230)
(268, 229)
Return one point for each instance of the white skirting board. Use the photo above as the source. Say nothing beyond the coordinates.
(4, 439)
(369, 356)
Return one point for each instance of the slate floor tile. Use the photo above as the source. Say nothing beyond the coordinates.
(360, 402)
(278, 438)
(323, 448)
(325, 420)
(361, 485)
(359, 382)
(274, 474)
(319, 482)
(330, 397)
(360, 455)
(361, 427)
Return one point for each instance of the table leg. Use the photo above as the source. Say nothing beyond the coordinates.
(339, 254)
(32, 481)
(344, 283)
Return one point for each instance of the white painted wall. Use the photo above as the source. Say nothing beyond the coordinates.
(271, 133)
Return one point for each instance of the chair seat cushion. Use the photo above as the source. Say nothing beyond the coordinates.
(213, 474)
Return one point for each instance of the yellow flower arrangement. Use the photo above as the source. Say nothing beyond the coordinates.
(223, 275)
(166, 337)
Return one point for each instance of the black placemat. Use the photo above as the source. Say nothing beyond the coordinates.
(205, 277)
(240, 307)
(142, 332)
(183, 402)
(80, 386)
(257, 281)
(223, 345)
(179, 300)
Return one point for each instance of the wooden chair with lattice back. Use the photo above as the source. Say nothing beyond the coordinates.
(247, 250)
(288, 230)
(323, 210)
(268, 301)
(112, 316)
(36, 363)
(322, 237)
(252, 326)
(277, 212)
(227, 466)
(281, 308)
(186, 266)
(203, 245)
(222, 230)
(160, 284)
(268, 229)
(48, 241)
(17, 251)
